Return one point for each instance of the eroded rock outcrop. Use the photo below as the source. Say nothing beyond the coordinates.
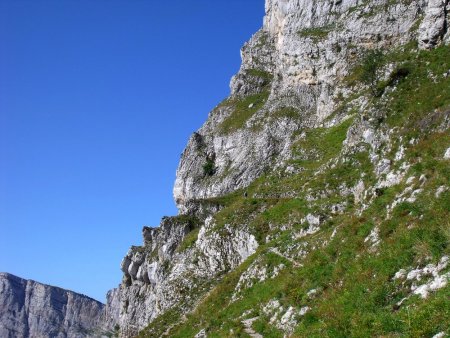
(170, 269)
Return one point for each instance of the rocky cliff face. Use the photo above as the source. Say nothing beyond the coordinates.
(31, 309)
(293, 67)
(321, 183)
(316, 146)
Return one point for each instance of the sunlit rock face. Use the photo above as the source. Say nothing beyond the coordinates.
(162, 274)
(294, 65)
(292, 79)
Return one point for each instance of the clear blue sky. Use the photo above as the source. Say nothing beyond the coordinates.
(97, 101)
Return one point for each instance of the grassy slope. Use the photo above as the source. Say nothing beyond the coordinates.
(357, 294)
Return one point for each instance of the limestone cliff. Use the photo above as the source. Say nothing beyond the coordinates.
(291, 76)
(31, 309)
(313, 202)
(319, 157)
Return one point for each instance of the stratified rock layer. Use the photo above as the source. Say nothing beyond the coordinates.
(32, 309)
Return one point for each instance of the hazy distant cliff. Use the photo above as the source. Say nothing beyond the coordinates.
(31, 309)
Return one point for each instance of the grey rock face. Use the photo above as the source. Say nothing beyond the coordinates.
(434, 25)
(298, 59)
(159, 275)
(291, 79)
(31, 309)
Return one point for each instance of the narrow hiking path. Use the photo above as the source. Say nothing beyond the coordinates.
(248, 328)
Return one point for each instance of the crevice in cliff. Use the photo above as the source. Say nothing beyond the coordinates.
(446, 17)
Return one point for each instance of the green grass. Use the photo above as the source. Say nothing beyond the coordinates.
(209, 168)
(424, 89)
(219, 316)
(321, 144)
(189, 240)
(267, 77)
(357, 295)
(243, 110)
(286, 112)
(316, 33)
(419, 84)
(375, 9)
(161, 324)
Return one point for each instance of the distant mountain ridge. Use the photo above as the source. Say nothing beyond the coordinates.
(32, 309)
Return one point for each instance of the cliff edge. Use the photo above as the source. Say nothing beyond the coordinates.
(32, 309)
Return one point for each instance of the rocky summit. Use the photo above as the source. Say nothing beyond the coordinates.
(315, 199)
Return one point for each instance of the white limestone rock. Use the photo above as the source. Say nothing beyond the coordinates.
(447, 154)
(299, 76)
(426, 280)
(439, 335)
(283, 318)
(434, 25)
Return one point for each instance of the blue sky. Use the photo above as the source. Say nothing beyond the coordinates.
(97, 101)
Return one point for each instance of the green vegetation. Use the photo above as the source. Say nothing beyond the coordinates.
(189, 240)
(289, 112)
(316, 33)
(417, 84)
(357, 295)
(399, 74)
(267, 77)
(423, 90)
(161, 324)
(209, 168)
(369, 70)
(243, 110)
(191, 220)
(367, 9)
(263, 40)
(221, 316)
(193, 227)
(321, 144)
